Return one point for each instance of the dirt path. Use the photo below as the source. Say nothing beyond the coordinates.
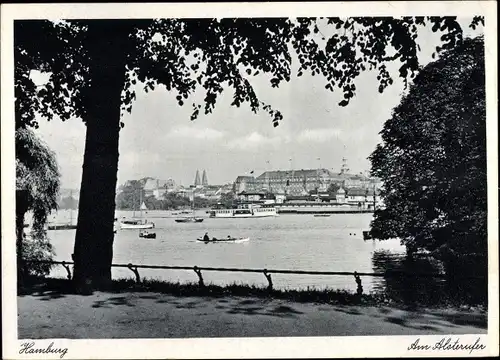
(153, 315)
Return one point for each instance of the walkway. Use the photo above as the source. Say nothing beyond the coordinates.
(154, 315)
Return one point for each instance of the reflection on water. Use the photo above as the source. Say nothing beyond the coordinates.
(453, 286)
(407, 288)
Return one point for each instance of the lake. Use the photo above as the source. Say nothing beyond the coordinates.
(291, 242)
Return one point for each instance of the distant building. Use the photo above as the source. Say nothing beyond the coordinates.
(356, 196)
(340, 196)
(156, 187)
(294, 182)
(170, 185)
(245, 183)
(211, 192)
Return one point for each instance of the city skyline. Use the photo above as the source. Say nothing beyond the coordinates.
(160, 141)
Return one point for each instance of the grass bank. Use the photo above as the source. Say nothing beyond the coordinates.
(310, 295)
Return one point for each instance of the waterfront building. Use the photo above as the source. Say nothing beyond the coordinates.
(356, 196)
(211, 192)
(293, 183)
(296, 182)
(245, 183)
(340, 196)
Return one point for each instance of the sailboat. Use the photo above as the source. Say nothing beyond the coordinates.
(192, 218)
(69, 225)
(137, 224)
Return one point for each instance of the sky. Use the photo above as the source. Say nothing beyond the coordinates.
(159, 139)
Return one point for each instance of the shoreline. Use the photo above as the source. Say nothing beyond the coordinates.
(191, 289)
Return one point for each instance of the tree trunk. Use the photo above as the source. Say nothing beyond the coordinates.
(93, 252)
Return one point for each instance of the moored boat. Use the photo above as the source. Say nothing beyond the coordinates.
(136, 224)
(245, 211)
(229, 239)
(189, 220)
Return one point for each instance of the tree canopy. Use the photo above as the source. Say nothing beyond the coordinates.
(432, 160)
(185, 54)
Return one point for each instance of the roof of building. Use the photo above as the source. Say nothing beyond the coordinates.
(252, 193)
(245, 177)
(357, 192)
(295, 173)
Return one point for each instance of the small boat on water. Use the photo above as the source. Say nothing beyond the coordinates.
(136, 224)
(229, 239)
(189, 220)
(321, 215)
(147, 235)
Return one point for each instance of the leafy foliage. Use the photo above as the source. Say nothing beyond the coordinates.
(37, 185)
(332, 189)
(433, 159)
(37, 174)
(37, 247)
(186, 54)
(129, 197)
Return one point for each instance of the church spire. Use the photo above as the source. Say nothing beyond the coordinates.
(204, 180)
(197, 179)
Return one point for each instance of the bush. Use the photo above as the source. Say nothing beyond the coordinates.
(36, 247)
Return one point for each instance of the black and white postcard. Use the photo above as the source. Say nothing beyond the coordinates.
(249, 180)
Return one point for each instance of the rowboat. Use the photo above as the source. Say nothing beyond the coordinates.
(213, 240)
(147, 235)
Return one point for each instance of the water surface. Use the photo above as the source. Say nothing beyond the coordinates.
(292, 242)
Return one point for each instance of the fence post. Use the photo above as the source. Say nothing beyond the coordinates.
(135, 271)
(66, 266)
(200, 277)
(359, 289)
(269, 280)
